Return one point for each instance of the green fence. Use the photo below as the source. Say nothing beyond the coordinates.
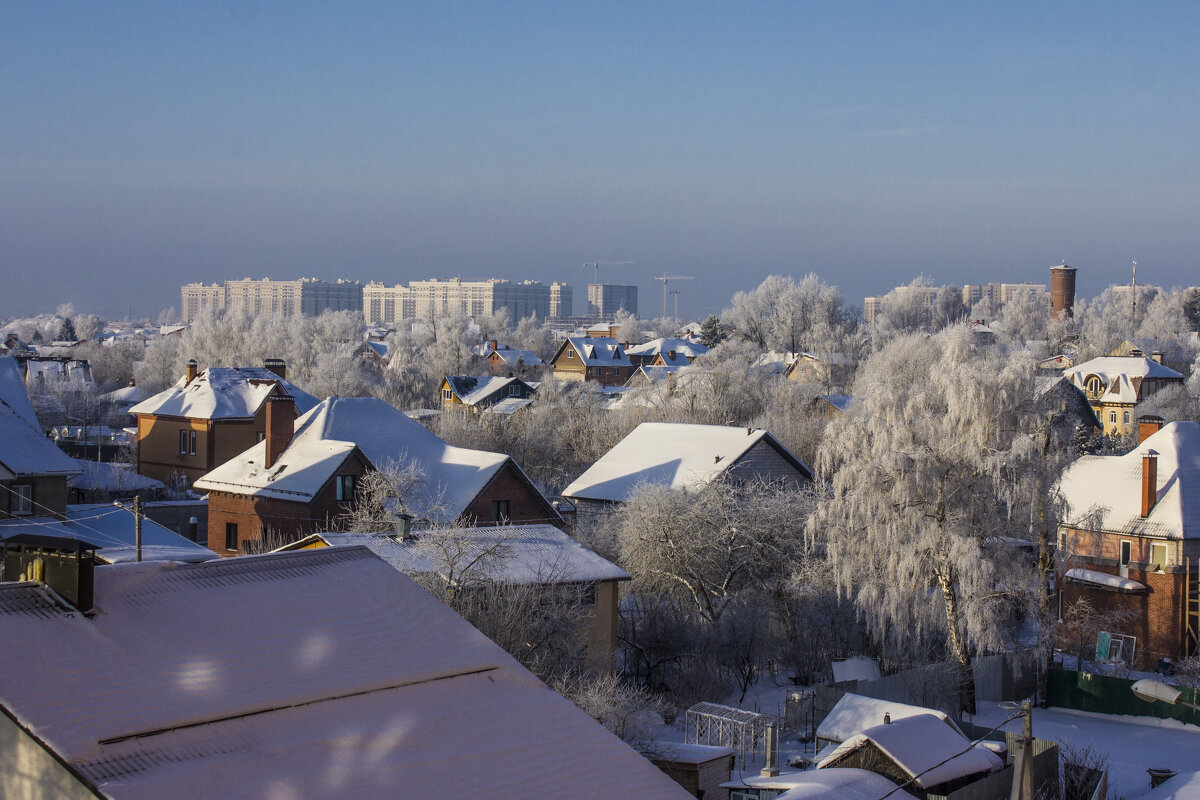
(1107, 695)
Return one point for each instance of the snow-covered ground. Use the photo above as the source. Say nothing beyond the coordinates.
(1132, 744)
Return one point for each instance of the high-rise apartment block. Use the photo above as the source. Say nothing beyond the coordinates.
(562, 300)
(926, 298)
(307, 296)
(606, 299)
(999, 293)
(430, 299)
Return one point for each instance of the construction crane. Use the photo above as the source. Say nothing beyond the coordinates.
(678, 292)
(595, 265)
(667, 279)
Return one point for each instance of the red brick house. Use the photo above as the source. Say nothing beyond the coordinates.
(304, 475)
(1131, 541)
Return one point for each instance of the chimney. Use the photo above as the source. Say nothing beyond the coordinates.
(1148, 425)
(132, 383)
(281, 423)
(403, 526)
(276, 365)
(1156, 356)
(493, 344)
(771, 756)
(671, 354)
(1149, 481)
(191, 370)
(64, 565)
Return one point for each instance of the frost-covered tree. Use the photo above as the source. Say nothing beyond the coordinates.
(921, 507)
(629, 327)
(949, 307)
(66, 330)
(781, 314)
(535, 335)
(88, 326)
(711, 332)
(1025, 317)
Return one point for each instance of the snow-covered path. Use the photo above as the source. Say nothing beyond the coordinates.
(1132, 744)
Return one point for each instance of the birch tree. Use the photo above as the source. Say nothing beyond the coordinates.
(922, 506)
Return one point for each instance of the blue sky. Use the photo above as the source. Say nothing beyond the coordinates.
(143, 145)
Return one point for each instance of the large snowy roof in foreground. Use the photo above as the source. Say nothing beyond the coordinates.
(1111, 486)
(222, 393)
(918, 745)
(678, 455)
(111, 531)
(327, 435)
(312, 674)
(23, 448)
(525, 554)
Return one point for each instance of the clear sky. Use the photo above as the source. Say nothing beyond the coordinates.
(143, 145)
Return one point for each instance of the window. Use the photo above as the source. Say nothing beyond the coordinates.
(345, 488)
(1126, 551)
(1093, 385)
(1112, 417)
(499, 511)
(570, 354)
(22, 499)
(183, 442)
(514, 390)
(231, 537)
(192, 442)
(1158, 557)
(447, 394)
(260, 436)
(1126, 418)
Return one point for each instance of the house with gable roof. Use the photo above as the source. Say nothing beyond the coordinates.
(479, 392)
(666, 352)
(207, 418)
(1114, 385)
(1130, 541)
(683, 456)
(33, 471)
(595, 359)
(311, 674)
(304, 475)
(503, 359)
(512, 555)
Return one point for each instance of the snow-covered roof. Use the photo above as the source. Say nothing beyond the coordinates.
(1104, 579)
(510, 356)
(1111, 486)
(687, 753)
(103, 475)
(683, 347)
(125, 396)
(24, 451)
(310, 674)
(1108, 367)
(525, 554)
(1184, 785)
(602, 351)
(473, 389)
(917, 745)
(842, 402)
(326, 436)
(656, 375)
(855, 713)
(112, 531)
(675, 454)
(855, 668)
(222, 393)
(508, 405)
(834, 783)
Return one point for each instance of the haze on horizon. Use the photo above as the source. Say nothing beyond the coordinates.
(145, 145)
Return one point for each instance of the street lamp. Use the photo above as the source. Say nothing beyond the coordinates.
(1156, 691)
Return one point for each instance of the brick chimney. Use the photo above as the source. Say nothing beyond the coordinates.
(276, 365)
(493, 344)
(281, 423)
(1149, 481)
(192, 366)
(1157, 356)
(1148, 425)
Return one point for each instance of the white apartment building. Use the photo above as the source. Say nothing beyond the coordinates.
(307, 296)
(196, 298)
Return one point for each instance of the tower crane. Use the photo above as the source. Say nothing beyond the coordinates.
(595, 265)
(678, 292)
(667, 279)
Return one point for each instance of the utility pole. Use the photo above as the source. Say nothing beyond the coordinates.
(1022, 787)
(137, 525)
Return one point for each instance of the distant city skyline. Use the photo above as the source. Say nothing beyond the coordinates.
(148, 145)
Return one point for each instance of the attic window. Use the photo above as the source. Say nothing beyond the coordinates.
(1093, 385)
(616, 353)
(22, 500)
(570, 354)
(593, 355)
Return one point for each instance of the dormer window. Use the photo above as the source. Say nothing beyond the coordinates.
(1094, 386)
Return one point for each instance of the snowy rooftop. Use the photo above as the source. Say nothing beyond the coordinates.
(1111, 486)
(918, 744)
(510, 356)
(842, 402)
(111, 531)
(508, 405)
(125, 396)
(602, 351)
(103, 475)
(326, 436)
(675, 454)
(23, 448)
(472, 389)
(222, 393)
(1104, 579)
(311, 674)
(681, 346)
(659, 374)
(840, 783)
(1108, 367)
(855, 713)
(526, 554)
